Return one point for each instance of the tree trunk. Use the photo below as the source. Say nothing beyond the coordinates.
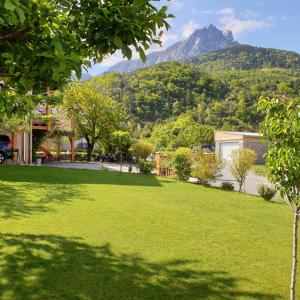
(295, 255)
(121, 165)
(240, 186)
(90, 148)
(58, 147)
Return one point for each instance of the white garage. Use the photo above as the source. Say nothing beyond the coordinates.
(226, 148)
(228, 141)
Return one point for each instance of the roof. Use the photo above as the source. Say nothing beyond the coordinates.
(253, 134)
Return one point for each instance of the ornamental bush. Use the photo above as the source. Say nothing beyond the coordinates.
(146, 167)
(182, 163)
(266, 192)
(228, 186)
(142, 149)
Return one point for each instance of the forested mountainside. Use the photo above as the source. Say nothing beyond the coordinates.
(225, 99)
(245, 57)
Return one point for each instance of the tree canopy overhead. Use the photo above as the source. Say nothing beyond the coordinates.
(43, 42)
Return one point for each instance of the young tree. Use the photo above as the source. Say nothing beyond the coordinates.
(96, 116)
(142, 149)
(281, 129)
(241, 161)
(43, 42)
(122, 141)
(207, 167)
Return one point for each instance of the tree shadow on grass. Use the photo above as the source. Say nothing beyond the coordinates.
(26, 190)
(55, 267)
(25, 199)
(50, 175)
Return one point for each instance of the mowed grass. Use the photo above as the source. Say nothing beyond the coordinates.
(78, 234)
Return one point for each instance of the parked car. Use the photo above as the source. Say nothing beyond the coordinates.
(5, 148)
(81, 146)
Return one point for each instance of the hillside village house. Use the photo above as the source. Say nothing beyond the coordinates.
(23, 141)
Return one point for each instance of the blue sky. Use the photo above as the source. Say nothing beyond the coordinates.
(265, 23)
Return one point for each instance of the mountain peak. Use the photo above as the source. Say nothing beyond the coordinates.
(211, 26)
(228, 33)
(201, 41)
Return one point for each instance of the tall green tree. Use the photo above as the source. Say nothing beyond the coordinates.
(96, 116)
(281, 128)
(43, 42)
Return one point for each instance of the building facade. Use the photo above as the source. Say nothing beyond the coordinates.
(228, 141)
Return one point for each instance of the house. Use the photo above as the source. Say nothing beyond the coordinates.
(23, 141)
(227, 141)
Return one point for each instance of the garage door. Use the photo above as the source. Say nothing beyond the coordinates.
(227, 148)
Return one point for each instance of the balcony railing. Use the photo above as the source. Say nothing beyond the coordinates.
(38, 124)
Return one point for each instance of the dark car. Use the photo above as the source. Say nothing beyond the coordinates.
(81, 146)
(5, 148)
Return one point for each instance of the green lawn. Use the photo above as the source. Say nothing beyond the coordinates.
(77, 234)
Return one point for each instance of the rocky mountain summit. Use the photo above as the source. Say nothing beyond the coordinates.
(205, 40)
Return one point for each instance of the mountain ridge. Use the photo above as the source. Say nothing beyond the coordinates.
(246, 57)
(201, 41)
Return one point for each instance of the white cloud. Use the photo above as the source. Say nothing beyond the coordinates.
(176, 4)
(117, 57)
(168, 38)
(250, 14)
(230, 21)
(189, 28)
(226, 11)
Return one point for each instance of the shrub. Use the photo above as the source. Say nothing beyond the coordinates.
(80, 155)
(266, 192)
(182, 163)
(141, 150)
(207, 167)
(146, 167)
(228, 186)
(96, 154)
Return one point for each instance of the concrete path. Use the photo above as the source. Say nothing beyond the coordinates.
(251, 184)
(115, 167)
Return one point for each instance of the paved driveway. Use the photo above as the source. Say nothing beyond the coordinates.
(92, 166)
(252, 181)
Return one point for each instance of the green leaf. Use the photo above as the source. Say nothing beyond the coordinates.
(142, 54)
(139, 3)
(127, 52)
(118, 41)
(9, 4)
(21, 14)
(46, 54)
(58, 48)
(6, 55)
